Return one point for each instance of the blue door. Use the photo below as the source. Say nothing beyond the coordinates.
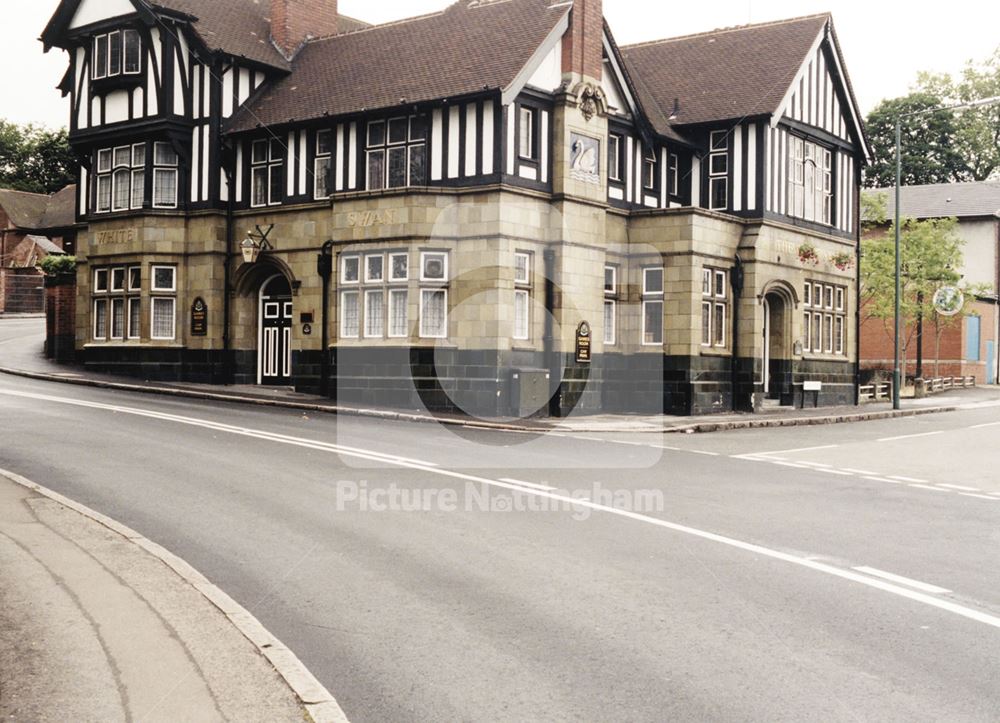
(973, 325)
(991, 362)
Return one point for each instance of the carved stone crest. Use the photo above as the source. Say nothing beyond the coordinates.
(590, 99)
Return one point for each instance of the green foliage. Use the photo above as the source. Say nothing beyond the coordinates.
(943, 146)
(56, 264)
(874, 209)
(35, 159)
(931, 254)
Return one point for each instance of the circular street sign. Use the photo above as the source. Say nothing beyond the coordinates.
(949, 300)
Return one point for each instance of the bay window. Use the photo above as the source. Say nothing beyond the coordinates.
(810, 181)
(116, 53)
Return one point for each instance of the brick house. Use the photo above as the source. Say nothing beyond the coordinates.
(498, 189)
(969, 346)
(32, 226)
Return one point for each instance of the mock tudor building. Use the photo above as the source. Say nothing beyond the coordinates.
(493, 208)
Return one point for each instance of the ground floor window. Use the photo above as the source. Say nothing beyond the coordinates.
(824, 319)
(714, 307)
(433, 313)
(652, 306)
(374, 297)
(116, 302)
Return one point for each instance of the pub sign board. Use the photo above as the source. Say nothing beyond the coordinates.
(583, 335)
(199, 318)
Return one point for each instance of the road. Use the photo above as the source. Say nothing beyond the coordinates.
(766, 586)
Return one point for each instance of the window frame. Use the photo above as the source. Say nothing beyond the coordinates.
(616, 141)
(673, 174)
(424, 334)
(652, 298)
(531, 114)
(424, 256)
(715, 303)
(154, 288)
(153, 303)
(718, 150)
(324, 157)
(356, 294)
(414, 139)
(344, 281)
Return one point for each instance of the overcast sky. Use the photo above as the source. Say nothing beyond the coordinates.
(883, 52)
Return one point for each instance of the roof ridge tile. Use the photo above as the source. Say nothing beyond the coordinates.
(730, 29)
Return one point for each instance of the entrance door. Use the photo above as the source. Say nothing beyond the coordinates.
(274, 357)
(766, 361)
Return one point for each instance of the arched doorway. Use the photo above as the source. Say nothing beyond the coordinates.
(776, 354)
(274, 332)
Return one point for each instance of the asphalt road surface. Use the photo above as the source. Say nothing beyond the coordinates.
(814, 573)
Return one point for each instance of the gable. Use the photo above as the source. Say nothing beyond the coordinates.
(94, 11)
(816, 97)
(612, 87)
(548, 76)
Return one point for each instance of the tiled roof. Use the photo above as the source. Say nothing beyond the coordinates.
(236, 27)
(38, 212)
(458, 51)
(943, 200)
(46, 245)
(60, 211)
(723, 74)
(25, 210)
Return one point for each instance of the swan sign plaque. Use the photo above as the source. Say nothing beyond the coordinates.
(585, 159)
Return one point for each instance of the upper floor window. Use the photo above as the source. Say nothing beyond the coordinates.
(652, 306)
(527, 146)
(116, 53)
(649, 169)
(267, 158)
(810, 181)
(718, 171)
(322, 167)
(120, 177)
(615, 157)
(397, 153)
(673, 174)
(164, 176)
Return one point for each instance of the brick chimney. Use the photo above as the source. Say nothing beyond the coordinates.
(293, 22)
(582, 49)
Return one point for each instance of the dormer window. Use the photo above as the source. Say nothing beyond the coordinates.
(117, 53)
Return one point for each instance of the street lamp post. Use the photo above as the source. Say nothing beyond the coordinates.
(897, 382)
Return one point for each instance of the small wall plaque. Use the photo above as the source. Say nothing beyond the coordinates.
(199, 318)
(583, 351)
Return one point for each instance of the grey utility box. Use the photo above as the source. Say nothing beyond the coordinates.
(529, 392)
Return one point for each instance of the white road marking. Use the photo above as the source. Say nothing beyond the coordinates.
(958, 487)
(790, 451)
(859, 471)
(707, 454)
(835, 471)
(980, 426)
(929, 487)
(813, 464)
(791, 464)
(907, 479)
(979, 497)
(852, 576)
(904, 580)
(910, 436)
(532, 485)
(883, 479)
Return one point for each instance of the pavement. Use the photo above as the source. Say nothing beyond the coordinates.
(98, 623)
(21, 354)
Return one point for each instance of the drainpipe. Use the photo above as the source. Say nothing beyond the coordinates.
(548, 338)
(857, 303)
(736, 281)
(325, 269)
(228, 375)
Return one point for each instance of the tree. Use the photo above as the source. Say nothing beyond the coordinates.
(35, 159)
(944, 146)
(927, 149)
(930, 258)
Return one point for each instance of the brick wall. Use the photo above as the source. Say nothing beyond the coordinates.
(60, 317)
(293, 21)
(23, 291)
(582, 49)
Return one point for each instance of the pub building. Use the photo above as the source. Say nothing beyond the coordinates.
(494, 208)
